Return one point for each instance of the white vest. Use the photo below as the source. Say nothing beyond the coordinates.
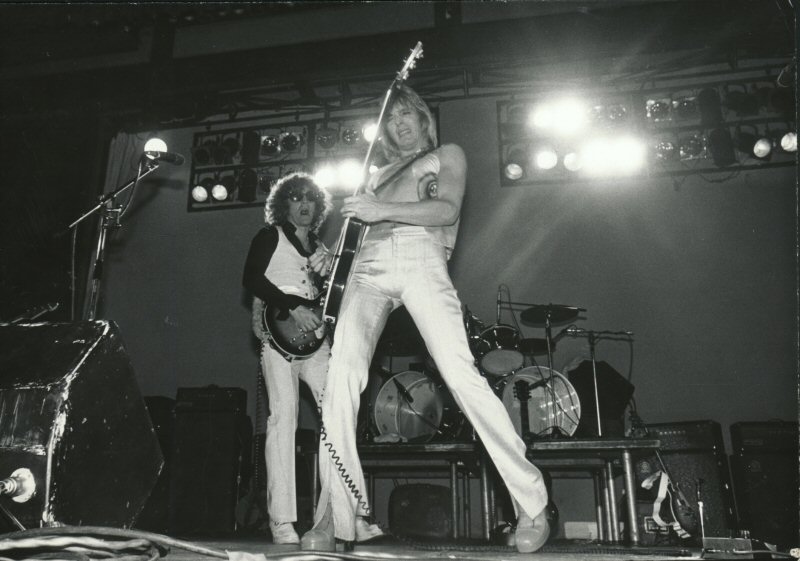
(289, 271)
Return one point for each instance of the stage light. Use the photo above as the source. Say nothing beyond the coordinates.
(720, 144)
(325, 176)
(545, 158)
(685, 108)
(231, 144)
(597, 156)
(202, 153)
(789, 142)
(515, 163)
(658, 110)
(223, 188)
(270, 145)
(327, 137)
(665, 151)
(572, 161)
(566, 116)
(630, 154)
(369, 131)
(200, 192)
(691, 147)
(610, 114)
(762, 149)
(351, 136)
(221, 155)
(613, 156)
(290, 141)
(349, 174)
(155, 145)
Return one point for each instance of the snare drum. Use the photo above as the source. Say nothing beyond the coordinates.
(498, 350)
(414, 406)
(549, 400)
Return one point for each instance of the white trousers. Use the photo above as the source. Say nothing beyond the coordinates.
(283, 393)
(405, 266)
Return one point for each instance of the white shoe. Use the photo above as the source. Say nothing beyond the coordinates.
(283, 533)
(366, 531)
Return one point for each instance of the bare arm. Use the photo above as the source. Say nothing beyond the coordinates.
(441, 211)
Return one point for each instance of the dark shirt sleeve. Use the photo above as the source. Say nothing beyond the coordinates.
(262, 248)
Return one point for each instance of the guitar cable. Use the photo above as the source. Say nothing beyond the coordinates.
(337, 462)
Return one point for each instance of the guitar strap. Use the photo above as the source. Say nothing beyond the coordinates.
(400, 170)
(663, 490)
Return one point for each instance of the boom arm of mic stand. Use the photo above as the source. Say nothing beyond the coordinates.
(93, 285)
(151, 167)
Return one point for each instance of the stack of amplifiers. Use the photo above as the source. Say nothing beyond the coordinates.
(210, 450)
(764, 464)
(695, 459)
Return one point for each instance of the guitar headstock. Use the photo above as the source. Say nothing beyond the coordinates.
(522, 390)
(411, 62)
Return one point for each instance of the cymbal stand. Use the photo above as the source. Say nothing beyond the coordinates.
(110, 219)
(593, 337)
(555, 431)
(592, 340)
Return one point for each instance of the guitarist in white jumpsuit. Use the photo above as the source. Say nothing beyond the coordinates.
(278, 273)
(413, 221)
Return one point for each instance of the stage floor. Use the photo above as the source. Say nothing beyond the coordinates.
(389, 548)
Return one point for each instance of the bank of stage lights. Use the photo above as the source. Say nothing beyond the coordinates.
(340, 176)
(559, 139)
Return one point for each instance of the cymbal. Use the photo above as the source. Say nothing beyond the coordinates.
(536, 316)
(534, 346)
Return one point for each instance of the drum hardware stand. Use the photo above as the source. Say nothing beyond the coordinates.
(593, 337)
(109, 219)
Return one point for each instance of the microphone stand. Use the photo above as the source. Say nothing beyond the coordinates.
(110, 219)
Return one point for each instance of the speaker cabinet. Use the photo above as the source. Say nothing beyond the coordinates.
(420, 510)
(765, 475)
(694, 456)
(71, 413)
(211, 447)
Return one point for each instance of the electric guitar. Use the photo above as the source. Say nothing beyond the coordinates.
(353, 229)
(522, 391)
(279, 328)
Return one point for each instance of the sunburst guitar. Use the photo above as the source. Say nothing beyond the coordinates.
(278, 327)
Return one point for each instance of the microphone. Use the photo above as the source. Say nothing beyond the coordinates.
(499, 300)
(571, 330)
(168, 157)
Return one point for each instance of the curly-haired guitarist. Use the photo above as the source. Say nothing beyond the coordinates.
(280, 273)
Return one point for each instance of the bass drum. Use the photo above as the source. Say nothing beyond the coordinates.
(417, 408)
(547, 396)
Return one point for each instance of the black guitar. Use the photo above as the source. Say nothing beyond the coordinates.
(353, 229)
(279, 328)
(685, 517)
(522, 391)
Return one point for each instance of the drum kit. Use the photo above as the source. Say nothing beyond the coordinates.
(415, 405)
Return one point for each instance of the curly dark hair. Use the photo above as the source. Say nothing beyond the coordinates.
(276, 209)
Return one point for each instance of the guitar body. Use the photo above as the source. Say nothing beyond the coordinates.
(282, 332)
(349, 244)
